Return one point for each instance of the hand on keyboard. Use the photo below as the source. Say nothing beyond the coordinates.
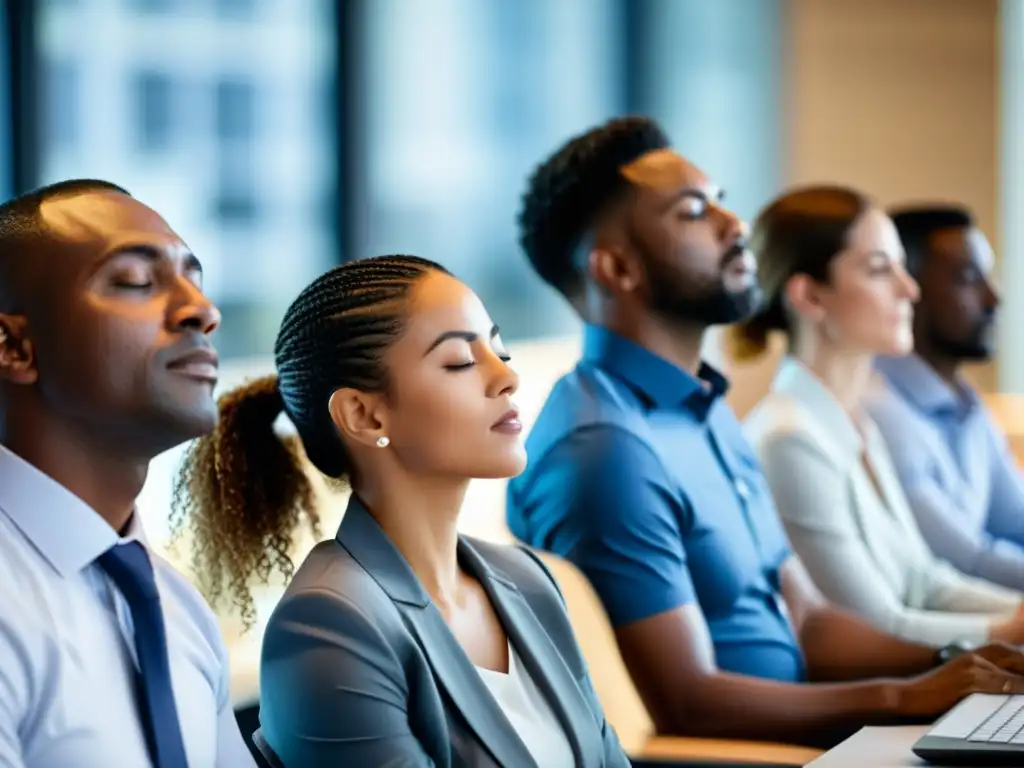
(989, 670)
(1004, 656)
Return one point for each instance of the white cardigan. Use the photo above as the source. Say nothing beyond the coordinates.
(864, 552)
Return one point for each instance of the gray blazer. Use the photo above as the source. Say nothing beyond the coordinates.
(359, 668)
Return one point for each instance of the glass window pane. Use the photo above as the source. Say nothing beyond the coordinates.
(236, 109)
(453, 132)
(713, 74)
(713, 77)
(152, 5)
(237, 8)
(60, 103)
(223, 134)
(6, 168)
(154, 113)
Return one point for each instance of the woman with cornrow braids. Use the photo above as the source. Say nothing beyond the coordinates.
(398, 642)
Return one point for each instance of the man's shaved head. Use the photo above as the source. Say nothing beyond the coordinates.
(24, 234)
(104, 327)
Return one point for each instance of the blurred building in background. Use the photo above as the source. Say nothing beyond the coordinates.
(216, 113)
(282, 136)
(464, 97)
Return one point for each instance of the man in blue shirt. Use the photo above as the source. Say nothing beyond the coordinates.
(640, 476)
(962, 481)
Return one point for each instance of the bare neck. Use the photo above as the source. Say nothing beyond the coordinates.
(106, 479)
(846, 375)
(680, 345)
(946, 367)
(420, 517)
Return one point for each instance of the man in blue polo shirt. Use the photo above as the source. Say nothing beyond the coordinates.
(639, 473)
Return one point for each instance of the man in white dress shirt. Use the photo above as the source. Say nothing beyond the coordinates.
(108, 657)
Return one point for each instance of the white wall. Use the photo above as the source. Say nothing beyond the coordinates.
(898, 98)
(1011, 192)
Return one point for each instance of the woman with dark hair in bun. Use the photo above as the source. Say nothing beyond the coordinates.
(398, 642)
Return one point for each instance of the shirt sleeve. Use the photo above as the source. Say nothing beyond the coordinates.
(13, 693)
(972, 549)
(950, 590)
(617, 521)
(231, 747)
(966, 547)
(811, 495)
(1006, 505)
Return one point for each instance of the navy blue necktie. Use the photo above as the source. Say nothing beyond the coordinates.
(129, 567)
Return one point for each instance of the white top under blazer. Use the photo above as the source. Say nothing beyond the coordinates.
(529, 713)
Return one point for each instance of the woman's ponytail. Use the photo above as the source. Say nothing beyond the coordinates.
(242, 493)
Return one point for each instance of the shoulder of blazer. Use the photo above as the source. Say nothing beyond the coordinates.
(781, 416)
(329, 568)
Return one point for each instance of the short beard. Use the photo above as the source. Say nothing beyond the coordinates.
(975, 350)
(716, 306)
(694, 304)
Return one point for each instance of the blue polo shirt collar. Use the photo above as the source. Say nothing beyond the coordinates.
(663, 384)
(925, 389)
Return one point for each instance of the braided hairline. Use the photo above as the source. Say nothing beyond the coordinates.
(242, 491)
(334, 335)
(362, 284)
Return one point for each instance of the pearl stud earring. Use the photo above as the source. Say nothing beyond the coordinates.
(383, 441)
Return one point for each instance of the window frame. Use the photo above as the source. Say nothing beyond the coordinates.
(22, 112)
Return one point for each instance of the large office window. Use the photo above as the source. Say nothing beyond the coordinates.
(61, 102)
(236, 8)
(452, 135)
(148, 6)
(235, 109)
(6, 148)
(1011, 191)
(216, 120)
(153, 98)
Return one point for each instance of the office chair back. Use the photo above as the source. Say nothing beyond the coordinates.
(270, 760)
(615, 690)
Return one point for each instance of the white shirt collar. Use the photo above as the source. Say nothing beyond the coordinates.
(65, 530)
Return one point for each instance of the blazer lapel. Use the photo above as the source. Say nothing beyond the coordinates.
(543, 661)
(369, 545)
(465, 687)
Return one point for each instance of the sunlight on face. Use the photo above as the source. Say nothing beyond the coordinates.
(693, 247)
(869, 302)
(452, 412)
(663, 169)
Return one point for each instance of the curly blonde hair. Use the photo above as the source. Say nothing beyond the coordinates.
(242, 491)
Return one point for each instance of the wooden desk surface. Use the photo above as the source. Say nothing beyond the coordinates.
(877, 748)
